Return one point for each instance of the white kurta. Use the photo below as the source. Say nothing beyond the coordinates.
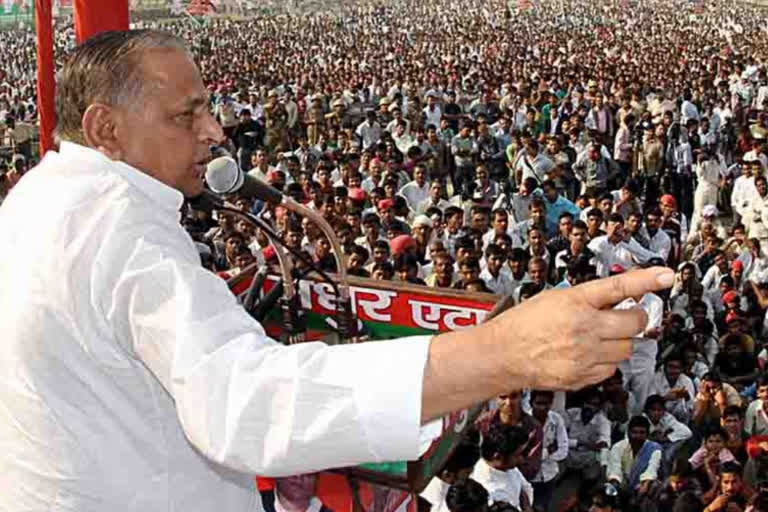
(708, 173)
(126, 369)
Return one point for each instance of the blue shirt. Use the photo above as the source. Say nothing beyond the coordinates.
(554, 210)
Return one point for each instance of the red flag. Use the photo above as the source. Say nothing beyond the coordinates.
(46, 83)
(92, 17)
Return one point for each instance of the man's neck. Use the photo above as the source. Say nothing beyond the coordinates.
(510, 417)
(293, 506)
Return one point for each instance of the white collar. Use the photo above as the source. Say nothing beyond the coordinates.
(167, 197)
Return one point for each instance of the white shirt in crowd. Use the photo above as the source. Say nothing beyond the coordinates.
(131, 379)
(674, 430)
(625, 253)
(502, 485)
(660, 243)
(622, 452)
(500, 285)
(415, 194)
(555, 434)
(435, 493)
(681, 408)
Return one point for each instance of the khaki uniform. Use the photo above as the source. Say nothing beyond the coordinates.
(277, 125)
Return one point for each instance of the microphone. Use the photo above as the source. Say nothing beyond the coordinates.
(225, 177)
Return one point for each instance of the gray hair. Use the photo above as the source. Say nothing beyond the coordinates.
(105, 69)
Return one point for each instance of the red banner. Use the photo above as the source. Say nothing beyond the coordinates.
(94, 16)
(46, 82)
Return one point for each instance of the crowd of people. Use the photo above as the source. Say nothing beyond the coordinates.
(510, 149)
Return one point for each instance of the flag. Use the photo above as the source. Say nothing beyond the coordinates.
(92, 17)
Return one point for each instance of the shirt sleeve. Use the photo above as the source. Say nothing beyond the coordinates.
(526, 487)
(749, 420)
(614, 464)
(247, 402)
(605, 437)
(562, 440)
(640, 253)
(680, 431)
(652, 471)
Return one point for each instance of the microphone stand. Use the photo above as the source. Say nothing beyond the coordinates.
(293, 326)
(345, 318)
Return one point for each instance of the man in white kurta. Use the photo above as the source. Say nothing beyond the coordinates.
(157, 349)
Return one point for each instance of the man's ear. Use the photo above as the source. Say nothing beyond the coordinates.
(99, 127)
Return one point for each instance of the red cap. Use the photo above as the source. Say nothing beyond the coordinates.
(269, 253)
(732, 316)
(401, 243)
(753, 446)
(737, 265)
(385, 204)
(669, 200)
(730, 297)
(356, 194)
(275, 176)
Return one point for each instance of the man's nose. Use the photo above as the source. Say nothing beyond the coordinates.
(210, 130)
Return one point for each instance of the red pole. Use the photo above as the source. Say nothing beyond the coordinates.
(94, 16)
(46, 83)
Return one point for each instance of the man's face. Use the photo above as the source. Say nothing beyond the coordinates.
(537, 272)
(495, 262)
(615, 231)
(712, 387)
(633, 224)
(730, 484)
(721, 262)
(371, 229)
(434, 192)
(537, 214)
(655, 413)
(469, 273)
(653, 222)
(293, 238)
(480, 222)
(593, 222)
(443, 268)
(674, 369)
(550, 193)
(500, 223)
(535, 239)
(420, 176)
(637, 436)
(380, 255)
(762, 393)
(322, 247)
(732, 423)
(511, 402)
(169, 136)
(564, 226)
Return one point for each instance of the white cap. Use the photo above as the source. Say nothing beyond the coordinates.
(422, 220)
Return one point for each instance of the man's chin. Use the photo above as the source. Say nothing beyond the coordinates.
(192, 190)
